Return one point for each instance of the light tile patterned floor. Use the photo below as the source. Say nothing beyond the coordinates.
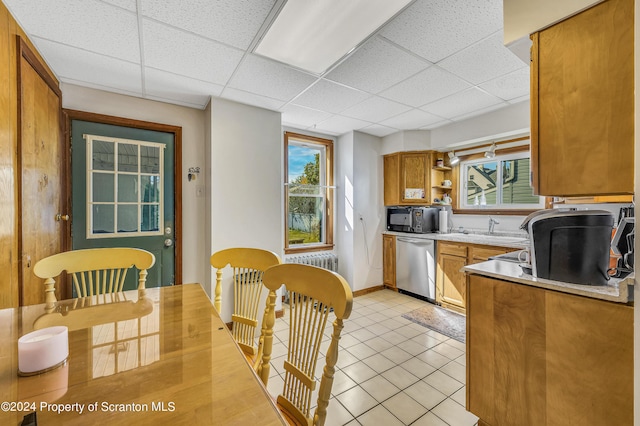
(390, 371)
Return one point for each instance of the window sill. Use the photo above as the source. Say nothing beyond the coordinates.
(305, 249)
(503, 212)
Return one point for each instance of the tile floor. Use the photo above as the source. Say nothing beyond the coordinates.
(390, 371)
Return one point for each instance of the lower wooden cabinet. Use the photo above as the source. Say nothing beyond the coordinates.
(389, 260)
(542, 357)
(450, 281)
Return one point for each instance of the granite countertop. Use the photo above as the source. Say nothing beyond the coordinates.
(510, 240)
(617, 290)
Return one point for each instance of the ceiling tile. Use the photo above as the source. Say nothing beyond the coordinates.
(484, 61)
(509, 86)
(78, 66)
(233, 22)
(413, 119)
(251, 99)
(88, 24)
(303, 117)
(330, 97)
(378, 130)
(125, 4)
(268, 78)
(375, 66)
(338, 125)
(178, 89)
(461, 103)
(438, 124)
(375, 109)
(435, 29)
(427, 86)
(186, 54)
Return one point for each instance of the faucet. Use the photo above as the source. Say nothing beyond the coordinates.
(492, 224)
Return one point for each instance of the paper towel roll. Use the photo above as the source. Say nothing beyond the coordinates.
(443, 225)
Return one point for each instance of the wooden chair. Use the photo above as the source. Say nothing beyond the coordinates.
(248, 266)
(314, 295)
(94, 271)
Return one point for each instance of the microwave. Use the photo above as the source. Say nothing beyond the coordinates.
(417, 220)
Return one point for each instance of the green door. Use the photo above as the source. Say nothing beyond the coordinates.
(123, 193)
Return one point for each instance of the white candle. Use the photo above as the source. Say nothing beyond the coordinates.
(42, 349)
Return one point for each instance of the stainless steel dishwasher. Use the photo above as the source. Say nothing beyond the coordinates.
(416, 267)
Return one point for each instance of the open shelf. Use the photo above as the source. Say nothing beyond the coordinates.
(442, 169)
(442, 187)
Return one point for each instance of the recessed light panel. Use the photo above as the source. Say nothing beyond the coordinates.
(313, 35)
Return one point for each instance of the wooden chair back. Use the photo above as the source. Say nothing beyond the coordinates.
(315, 295)
(94, 271)
(248, 266)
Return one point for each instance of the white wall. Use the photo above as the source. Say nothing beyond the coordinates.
(505, 123)
(192, 122)
(246, 182)
(369, 213)
(407, 140)
(345, 202)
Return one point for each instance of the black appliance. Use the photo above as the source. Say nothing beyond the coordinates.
(570, 245)
(399, 219)
(622, 246)
(416, 220)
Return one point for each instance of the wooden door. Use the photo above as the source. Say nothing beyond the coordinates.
(42, 174)
(389, 260)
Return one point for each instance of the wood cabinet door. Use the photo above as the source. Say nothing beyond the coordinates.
(389, 260)
(453, 281)
(582, 103)
(391, 165)
(541, 357)
(482, 254)
(42, 178)
(415, 177)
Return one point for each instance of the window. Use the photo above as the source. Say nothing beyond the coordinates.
(124, 187)
(308, 188)
(498, 183)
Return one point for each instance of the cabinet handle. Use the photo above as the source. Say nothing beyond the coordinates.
(60, 217)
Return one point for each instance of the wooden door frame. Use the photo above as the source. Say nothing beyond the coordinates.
(25, 52)
(70, 115)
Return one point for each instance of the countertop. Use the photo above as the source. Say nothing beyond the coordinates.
(617, 290)
(510, 240)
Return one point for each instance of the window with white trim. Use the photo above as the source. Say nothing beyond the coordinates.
(501, 182)
(308, 190)
(124, 187)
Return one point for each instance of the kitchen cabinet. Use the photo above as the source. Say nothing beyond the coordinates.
(537, 356)
(451, 283)
(407, 178)
(582, 103)
(389, 261)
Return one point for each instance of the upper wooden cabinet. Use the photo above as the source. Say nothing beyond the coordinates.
(407, 178)
(582, 103)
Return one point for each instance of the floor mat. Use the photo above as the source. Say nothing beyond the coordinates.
(441, 320)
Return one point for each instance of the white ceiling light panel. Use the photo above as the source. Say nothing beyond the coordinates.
(313, 35)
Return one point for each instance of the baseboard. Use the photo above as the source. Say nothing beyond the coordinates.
(367, 290)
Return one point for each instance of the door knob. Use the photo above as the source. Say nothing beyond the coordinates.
(60, 217)
(168, 242)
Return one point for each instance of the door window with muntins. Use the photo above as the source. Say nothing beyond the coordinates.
(124, 187)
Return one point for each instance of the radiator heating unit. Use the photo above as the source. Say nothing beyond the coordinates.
(324, 260)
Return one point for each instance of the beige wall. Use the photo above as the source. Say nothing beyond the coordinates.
(194, 252)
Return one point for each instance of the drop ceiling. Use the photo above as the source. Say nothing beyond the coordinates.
(435, 63)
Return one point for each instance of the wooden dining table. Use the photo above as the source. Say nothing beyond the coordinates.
(156, 356)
